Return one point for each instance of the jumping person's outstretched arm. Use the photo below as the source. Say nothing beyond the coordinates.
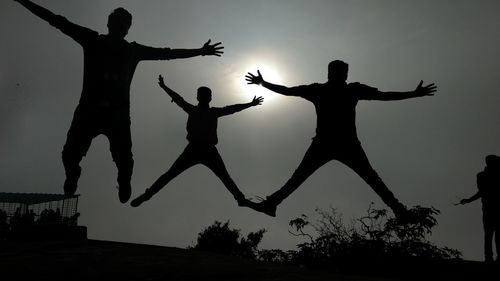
(206, 50)
(175, 96)
(230, 109)
(151, 53)
(420, 91)
(77, 32)
(142, 52)
(37, 10)
(259, 80)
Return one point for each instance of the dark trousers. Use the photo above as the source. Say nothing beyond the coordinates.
(198, 154)
(491, 225)
(349, 153)
(89, 122)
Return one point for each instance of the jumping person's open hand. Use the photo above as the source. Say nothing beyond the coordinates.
(257, 101)
(254, 79)
(427, 90)
(212, 50)
(161, 82)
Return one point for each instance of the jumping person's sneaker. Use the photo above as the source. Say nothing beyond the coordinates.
(71, 182)
(124, 192)
(140, 199)
(70, 185)
(267, 207)
(403, 215)
(244, 202)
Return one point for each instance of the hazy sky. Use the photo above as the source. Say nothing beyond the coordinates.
(427, 150)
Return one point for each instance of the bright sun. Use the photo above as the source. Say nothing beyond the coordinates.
(269, 73)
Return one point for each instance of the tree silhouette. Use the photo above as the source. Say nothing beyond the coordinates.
(220, 238)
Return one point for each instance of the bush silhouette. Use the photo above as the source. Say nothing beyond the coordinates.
(366, 244)
(220, 238)
(368, 240)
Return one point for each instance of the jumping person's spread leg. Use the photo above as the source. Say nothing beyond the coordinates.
(186, 160)
(213, 161)
(78, 141)
(355, 158)
(120, 144)
(314, 158)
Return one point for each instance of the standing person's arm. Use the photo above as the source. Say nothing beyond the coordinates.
(175, 96)
(471, 199)
(481, 181)
(151, 53)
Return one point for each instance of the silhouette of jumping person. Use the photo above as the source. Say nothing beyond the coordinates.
(202, 136)
(335, 103)
(104, 108)
(488, 185)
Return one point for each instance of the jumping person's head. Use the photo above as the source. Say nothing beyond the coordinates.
(119, 22)
(337, 71)
(204, 95)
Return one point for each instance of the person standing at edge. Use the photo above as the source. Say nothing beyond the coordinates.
(336, 137)
(104, 108)
(488, 185)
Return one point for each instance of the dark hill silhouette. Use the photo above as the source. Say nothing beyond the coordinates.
(103, 260)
